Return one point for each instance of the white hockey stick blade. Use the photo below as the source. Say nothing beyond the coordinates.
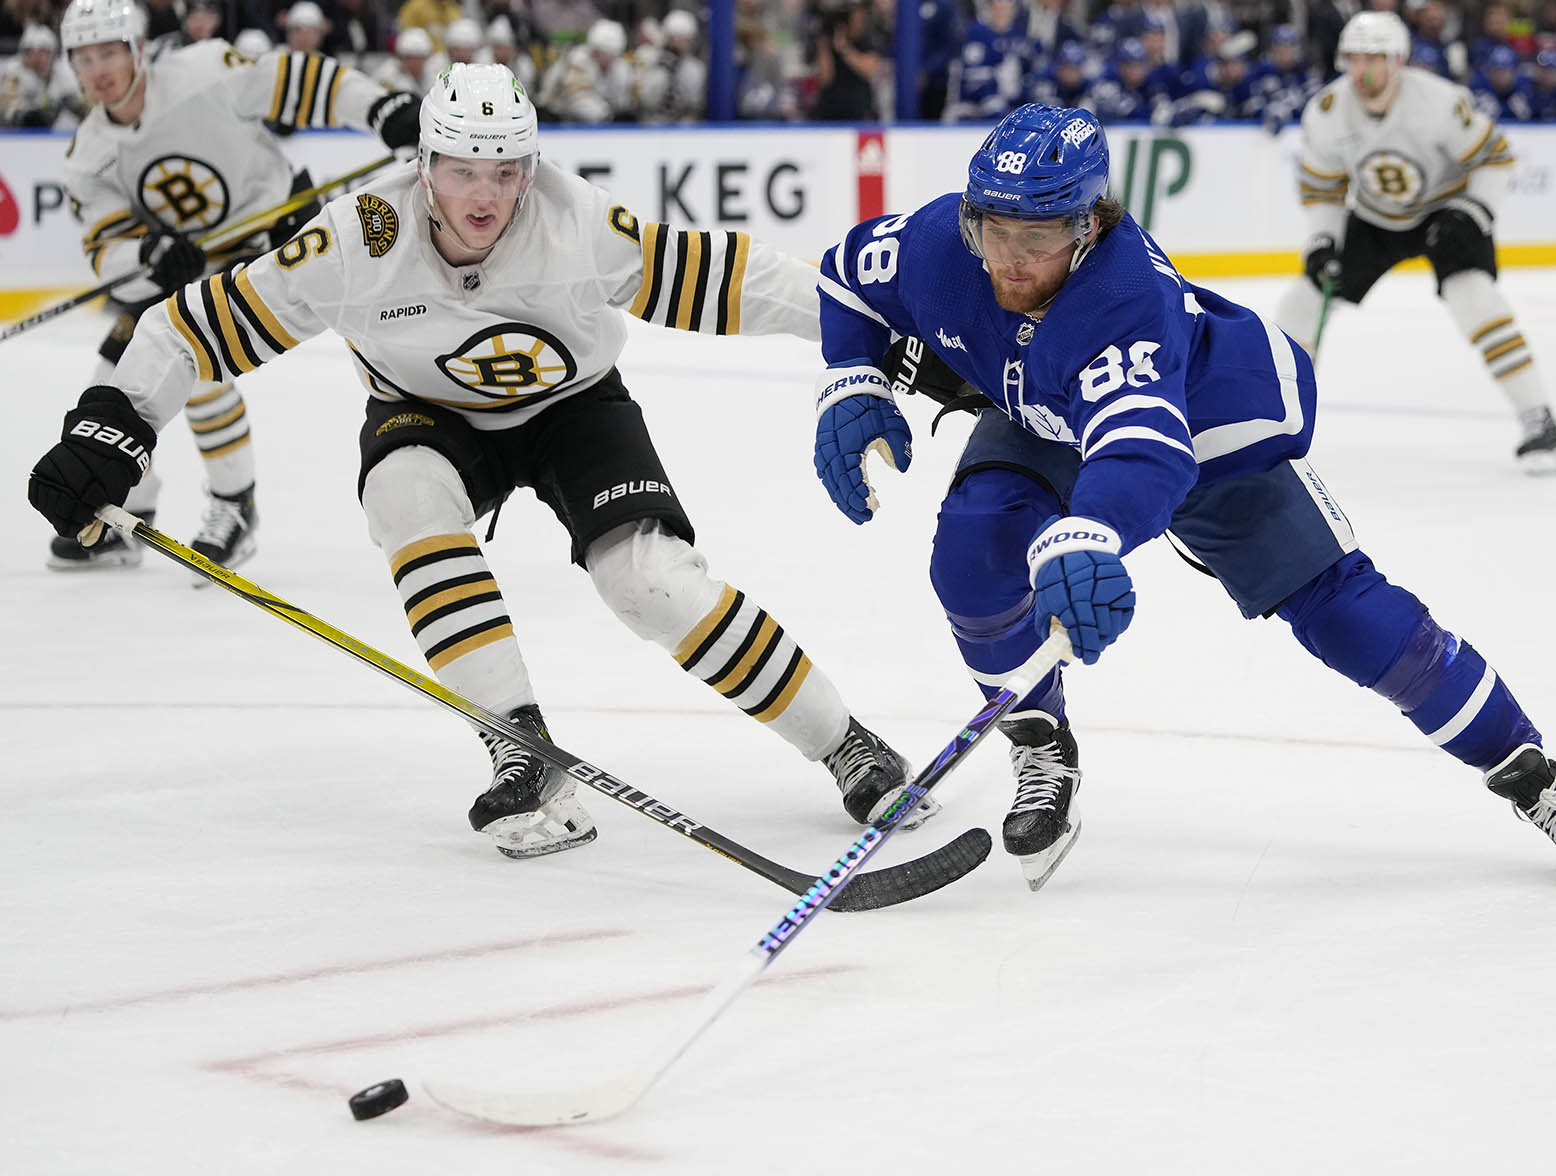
(590, 1104)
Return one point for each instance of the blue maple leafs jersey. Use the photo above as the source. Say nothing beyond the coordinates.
(1161, 385)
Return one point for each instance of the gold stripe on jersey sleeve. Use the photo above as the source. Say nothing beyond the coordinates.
(244, 288)
(1323, 175)
(695, 638)
(780, 704)
(691, 281)
(1481, 142)
(329, 98)
(110, 222)
(737, 280)
(650, 248)
(237, 345)
(278, 97)
(204, 370)
(310, 86)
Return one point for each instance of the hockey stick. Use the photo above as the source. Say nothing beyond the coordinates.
(226, 233)
(1326, 289)
(885, 887)
(610, 1098)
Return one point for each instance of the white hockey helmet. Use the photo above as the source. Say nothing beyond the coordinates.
(463, 33)
(97, 22)
(305, 14)
(607, 37)
(37, 36)
(679, 23)
(413, 42)
(478, 112)
(253, 43)
(1374, 32)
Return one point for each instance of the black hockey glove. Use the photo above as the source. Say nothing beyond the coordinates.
(1456, 233)
(174, 259)
(103, 450)
(396, 119)
(912, 366)
(1322, 261)
(286, 227)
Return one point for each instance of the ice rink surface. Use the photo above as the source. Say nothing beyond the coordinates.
(236, 882)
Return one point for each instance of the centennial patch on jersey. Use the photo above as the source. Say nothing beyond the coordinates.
(511, 364)
(1326, 101)
(401, 420)
(183, 193)
(380, 224)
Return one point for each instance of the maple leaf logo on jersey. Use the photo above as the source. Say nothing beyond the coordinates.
(380, 224)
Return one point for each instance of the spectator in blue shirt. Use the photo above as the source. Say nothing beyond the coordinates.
(1064, 82)
(1121, 94)
(991, 77)
(1499, 90)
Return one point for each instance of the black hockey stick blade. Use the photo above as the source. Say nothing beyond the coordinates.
(869, 891)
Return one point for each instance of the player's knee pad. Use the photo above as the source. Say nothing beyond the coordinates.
(1474, 301)
(1354, 621)
(656, 582)
(1297, 311)
(978, 564)
(412, 493)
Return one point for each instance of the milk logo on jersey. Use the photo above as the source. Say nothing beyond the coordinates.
(949, 342)
(184, 193)
(380, 223)
(510, 362)
(1388, 178)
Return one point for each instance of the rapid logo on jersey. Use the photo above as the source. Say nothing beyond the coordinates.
(380, 224)
(1389, 178)
(184, 193)
(512, 363)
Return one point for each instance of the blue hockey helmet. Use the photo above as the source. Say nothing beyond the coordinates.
(1040, 163)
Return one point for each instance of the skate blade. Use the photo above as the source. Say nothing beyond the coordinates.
(927, 808)
(241, 554)
(1538, 465)
(129, 558)
(537, 834)
(1037, 868)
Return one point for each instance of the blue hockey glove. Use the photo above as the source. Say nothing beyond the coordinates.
(1078, 577)
(856, 416)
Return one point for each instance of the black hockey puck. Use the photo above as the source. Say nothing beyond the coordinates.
(378, 1099)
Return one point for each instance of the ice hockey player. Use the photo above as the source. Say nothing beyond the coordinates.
(1118, 401)
(1397, 163)
(484, 293)
(174, 149)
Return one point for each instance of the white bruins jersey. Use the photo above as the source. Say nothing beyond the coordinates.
(200, 156)
(540, 318)
(1395, 170)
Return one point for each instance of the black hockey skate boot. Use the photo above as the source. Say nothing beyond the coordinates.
(530, 809)
(1537, 452)
(871, 775)
(1043, 823)
(113, 550)
(1528, 780)
(226, 534)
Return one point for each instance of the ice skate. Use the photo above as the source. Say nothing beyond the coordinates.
(530, 809)
(226, 535)
(1043, 823)
(871, 776)
(1528, 780)
(113, 550)
(1537, 452)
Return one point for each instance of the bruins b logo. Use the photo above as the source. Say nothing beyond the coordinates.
(1391, 179)
(380, 223)
(183, 193)
(510, 364)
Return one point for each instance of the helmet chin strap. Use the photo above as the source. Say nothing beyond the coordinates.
(446, 225)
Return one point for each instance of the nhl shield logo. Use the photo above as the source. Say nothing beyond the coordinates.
(1024, 334)
(380, 224)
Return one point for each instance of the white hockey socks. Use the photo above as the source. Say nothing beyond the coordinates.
(218, 418)
(1486, 319)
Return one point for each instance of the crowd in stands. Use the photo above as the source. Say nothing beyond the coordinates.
(644, 61)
